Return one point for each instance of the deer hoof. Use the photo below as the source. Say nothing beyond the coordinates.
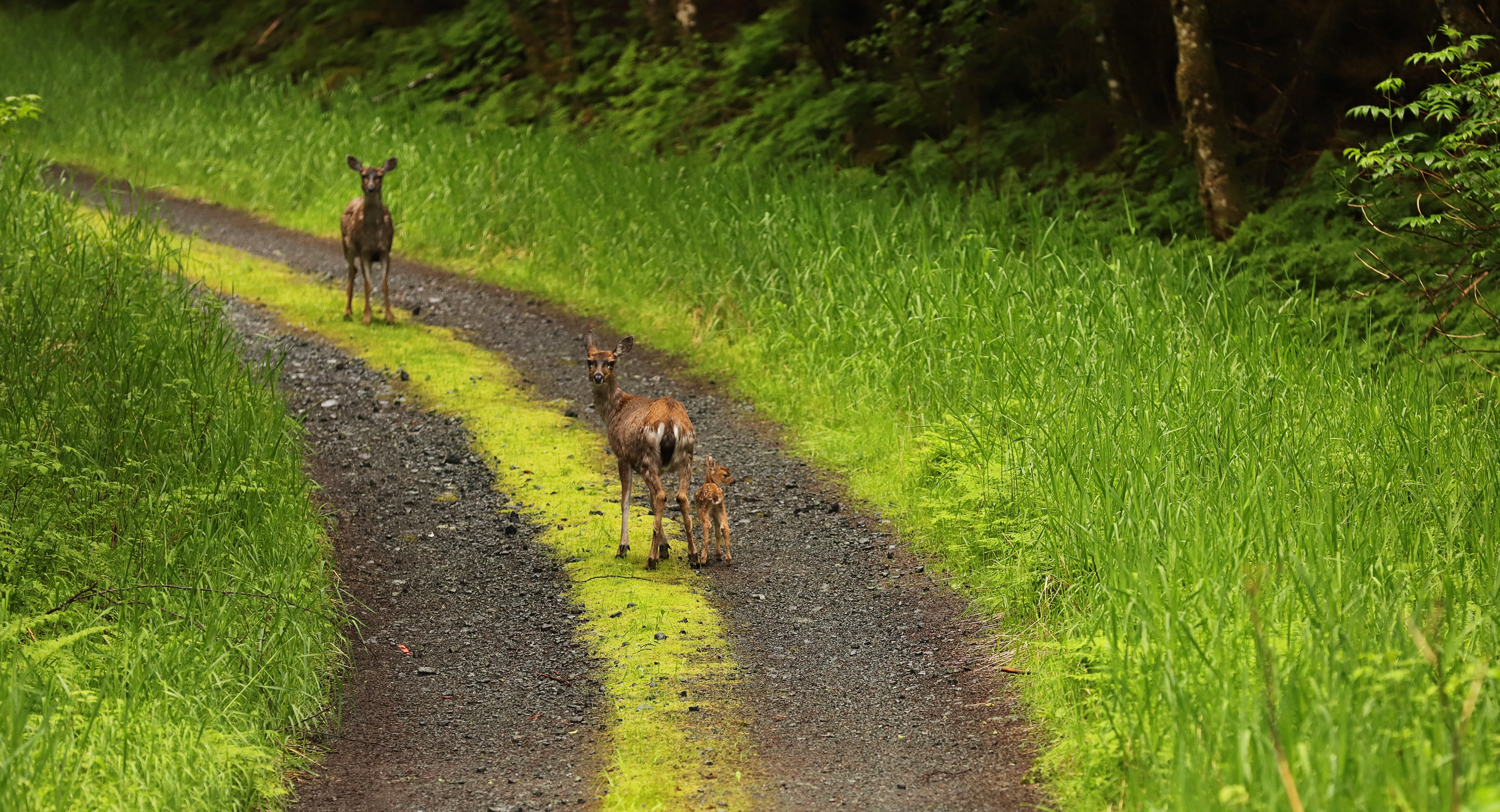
(620, 553)
(650, 563)
(348, 316)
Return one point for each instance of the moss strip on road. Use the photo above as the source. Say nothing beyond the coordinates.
(558, 468)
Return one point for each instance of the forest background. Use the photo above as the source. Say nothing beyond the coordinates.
(1174, 119)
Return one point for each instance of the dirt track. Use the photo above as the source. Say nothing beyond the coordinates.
(860, 685)
(448, 578)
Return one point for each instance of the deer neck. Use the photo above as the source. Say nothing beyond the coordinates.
(608, 397)
(374, 211)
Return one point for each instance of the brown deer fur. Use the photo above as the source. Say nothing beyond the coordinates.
(649, 436)
(368, 231)
(711, 514)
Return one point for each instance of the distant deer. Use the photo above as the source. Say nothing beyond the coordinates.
(711, 513)
(649, 436)
(368, 231)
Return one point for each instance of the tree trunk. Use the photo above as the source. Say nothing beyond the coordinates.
(567, 36)
(536, 50)
(1269, 123)
(1464, 16)
(656, 15)
(687, 17)
(1098, 15)
(1206, 123)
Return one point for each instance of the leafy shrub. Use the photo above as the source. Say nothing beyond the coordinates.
(1435, 183)
(18, 108)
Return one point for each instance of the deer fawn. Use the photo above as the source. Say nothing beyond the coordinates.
(711, 513)
(652, 436)
(367, 229)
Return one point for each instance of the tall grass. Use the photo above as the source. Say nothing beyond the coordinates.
(1125, 449)
(166, 617)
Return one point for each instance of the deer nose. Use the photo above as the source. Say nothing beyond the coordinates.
(598, 377)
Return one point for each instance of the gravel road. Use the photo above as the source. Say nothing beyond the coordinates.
(468, 689)
(862, 683)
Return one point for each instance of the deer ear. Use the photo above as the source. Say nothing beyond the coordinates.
(390, 164)
(625, 344)
(593, 345)
(355, 164)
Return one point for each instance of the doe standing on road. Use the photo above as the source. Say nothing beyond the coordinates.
(652, 436)
(368, 231)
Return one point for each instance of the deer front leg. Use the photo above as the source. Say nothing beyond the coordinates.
(722, 519)
(684, 480)
(349, 298)
(658, 507)
(366, 266)
(624, 510)
(385, 286)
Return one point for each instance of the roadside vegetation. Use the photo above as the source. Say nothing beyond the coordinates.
(1247, 550)
(168, 622)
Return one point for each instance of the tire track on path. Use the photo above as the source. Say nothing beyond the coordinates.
(440, 585)
(859, 683)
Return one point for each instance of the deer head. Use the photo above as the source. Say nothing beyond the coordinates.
(717, 474)
(371, 176)
(602, 362)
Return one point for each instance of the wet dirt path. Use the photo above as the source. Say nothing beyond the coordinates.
(469, 689)
(861, 684)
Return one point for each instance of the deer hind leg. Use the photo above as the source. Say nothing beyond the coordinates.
(624, 510)
(349, 298)
(721, 518)
(707, 528)
(684, 481)
(385, 286)
(365, 264)
(658, 507)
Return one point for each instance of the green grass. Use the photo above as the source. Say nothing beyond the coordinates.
(1115, 446)
(145, 474)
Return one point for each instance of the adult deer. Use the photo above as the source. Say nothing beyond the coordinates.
(368, 231)
(649, 436)
(712, 515)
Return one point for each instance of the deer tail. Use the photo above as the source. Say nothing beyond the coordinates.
(667, 445)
